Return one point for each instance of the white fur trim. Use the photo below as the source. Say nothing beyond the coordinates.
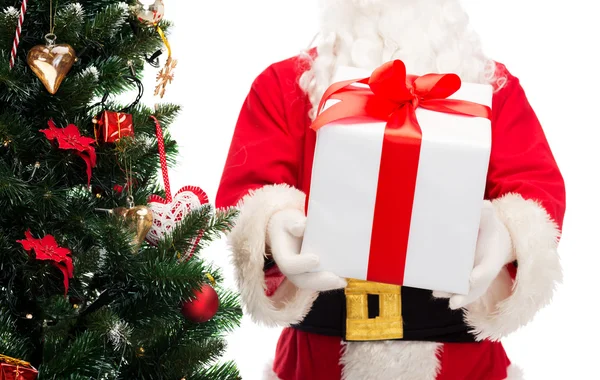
(289, 304)
(514, 373)
(425, 366)
(390, 360)
(269, 374)
(507, 306)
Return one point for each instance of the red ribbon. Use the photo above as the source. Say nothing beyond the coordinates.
(163, 159)
(393, 97)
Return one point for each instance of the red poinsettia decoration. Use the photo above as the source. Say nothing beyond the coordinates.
(46, 248)
(70, 138)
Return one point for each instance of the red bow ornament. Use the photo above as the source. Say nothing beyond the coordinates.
(70, 138)
(391, 96)
(46, 248)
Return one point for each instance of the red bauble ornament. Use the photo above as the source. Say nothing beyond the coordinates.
(204, 307)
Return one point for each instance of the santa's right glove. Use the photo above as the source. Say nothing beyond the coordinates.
(284, 237)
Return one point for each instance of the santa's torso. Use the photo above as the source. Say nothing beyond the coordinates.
(268, 169)
(434, 338)
(337, 335)
(423, 318)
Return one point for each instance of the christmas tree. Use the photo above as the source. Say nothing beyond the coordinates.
(101, 275)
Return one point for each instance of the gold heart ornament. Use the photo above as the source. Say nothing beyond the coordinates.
(51, 62)
(138, 219)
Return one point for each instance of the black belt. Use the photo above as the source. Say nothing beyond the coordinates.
(424, 318)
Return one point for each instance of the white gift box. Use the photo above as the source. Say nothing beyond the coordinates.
(443, 224)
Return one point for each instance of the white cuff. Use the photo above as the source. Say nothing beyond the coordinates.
(288, 305)
(509, 305)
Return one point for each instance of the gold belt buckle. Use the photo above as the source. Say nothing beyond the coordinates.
(387, 326)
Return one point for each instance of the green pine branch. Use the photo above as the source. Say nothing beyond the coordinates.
(70, 22)
(106, 24)
(11, 343)
(170, 279)
(207, 350)
(13, 190)
(220, 224)
(224, 371)
(84, 356)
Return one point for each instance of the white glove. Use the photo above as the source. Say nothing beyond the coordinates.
(284, 235)
(494, 251)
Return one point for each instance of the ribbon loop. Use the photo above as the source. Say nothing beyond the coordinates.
(390, 82)
(390, 90)
(437, 86)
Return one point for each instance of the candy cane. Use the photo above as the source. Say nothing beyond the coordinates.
(17, 39)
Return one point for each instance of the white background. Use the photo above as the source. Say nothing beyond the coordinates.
(552, 46)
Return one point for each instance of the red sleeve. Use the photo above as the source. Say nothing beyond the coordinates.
(264, 150)
(521, 159)
(527, 188)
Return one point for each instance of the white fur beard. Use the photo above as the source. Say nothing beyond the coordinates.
(430, 36)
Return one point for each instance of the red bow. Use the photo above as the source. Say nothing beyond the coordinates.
(393, 96)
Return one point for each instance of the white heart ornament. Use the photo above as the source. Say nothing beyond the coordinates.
(166, 215)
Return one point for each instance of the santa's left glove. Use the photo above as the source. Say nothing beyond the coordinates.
(285, 232)
(494, 251)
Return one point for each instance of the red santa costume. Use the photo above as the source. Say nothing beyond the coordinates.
(268, 170)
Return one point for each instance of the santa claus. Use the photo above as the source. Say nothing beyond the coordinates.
(267, 174)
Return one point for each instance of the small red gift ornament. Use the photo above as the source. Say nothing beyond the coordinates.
(15, 369)
(112, 126)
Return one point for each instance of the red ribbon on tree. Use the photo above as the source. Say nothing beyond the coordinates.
(393, 96)
(163, 158)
